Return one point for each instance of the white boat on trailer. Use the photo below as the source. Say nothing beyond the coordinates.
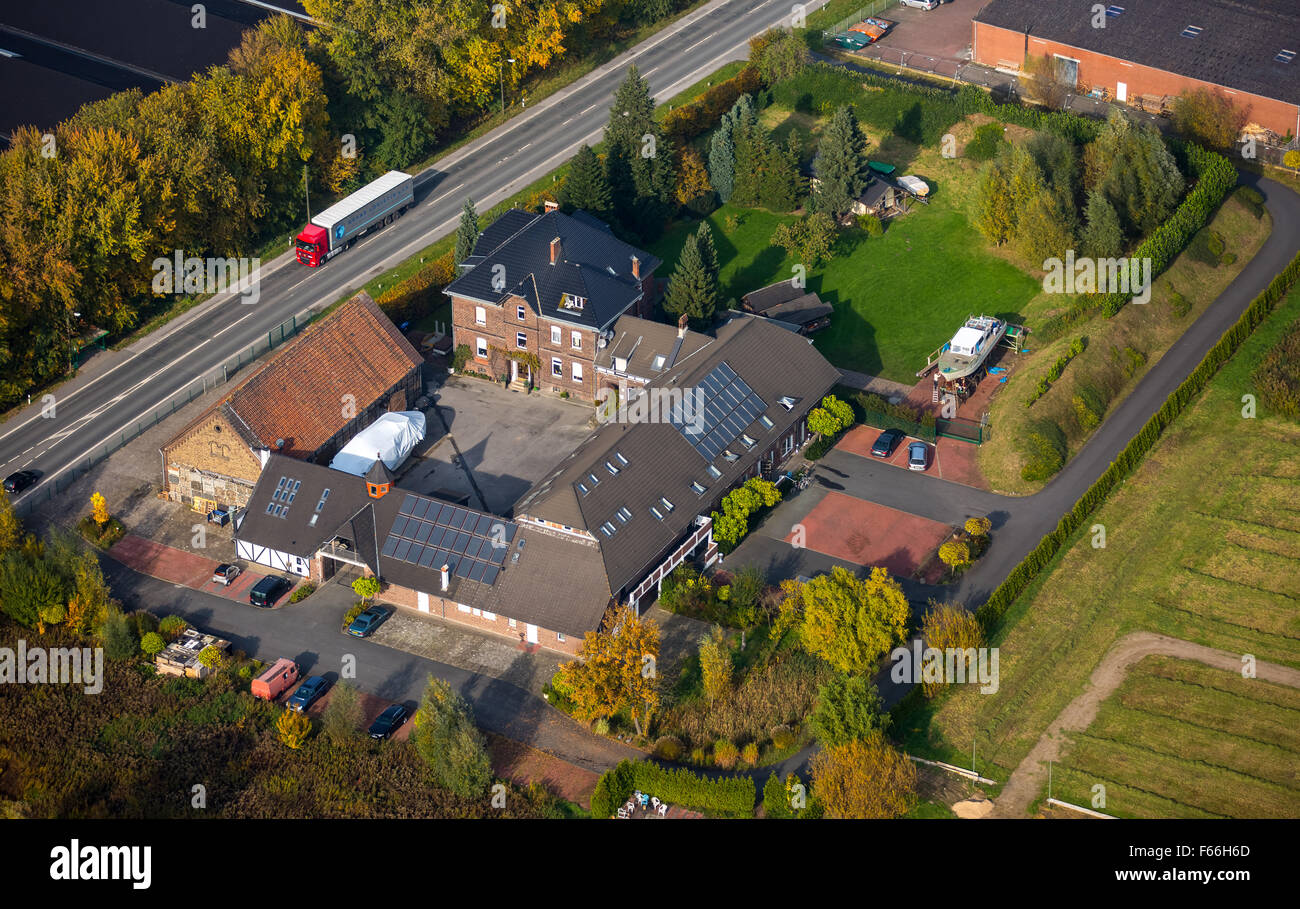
(969, 347)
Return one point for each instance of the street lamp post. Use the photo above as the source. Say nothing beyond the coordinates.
(71, 316)
(502, 70)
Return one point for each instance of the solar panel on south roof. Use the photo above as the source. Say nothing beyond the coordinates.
(421, 507)
(490, 573)
(427, 557)
(408, 504)
(414, 553)
(390, 544)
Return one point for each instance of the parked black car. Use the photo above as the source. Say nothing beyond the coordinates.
(388, 722)
(267, 591)
(308, 693)
(17, 482)
(887, 442)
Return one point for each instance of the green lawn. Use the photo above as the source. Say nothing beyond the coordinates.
(896, 297)
(1202, 544)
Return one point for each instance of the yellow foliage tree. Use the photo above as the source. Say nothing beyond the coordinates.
(864, 780)
(978, 527)
(851, 622)
(293, 727)
(715, 665)
(945, 626)
(692, 177)
(954, 554)
(617, 670)
(99, 509)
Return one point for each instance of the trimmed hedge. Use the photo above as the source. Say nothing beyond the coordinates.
(681, 124)
(1076, 348)
(1023, 574)
(723, 797)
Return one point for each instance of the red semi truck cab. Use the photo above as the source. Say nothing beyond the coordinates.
(312, 245)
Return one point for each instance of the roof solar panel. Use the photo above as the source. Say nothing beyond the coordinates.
(730, 406)
(451, 561)
(490, 573)
(399, 525)
(415, 552)
(462, 540)
(403, 547)
(471, 551)
(408, 504)
(390, 544)
(484, 525)
(421, 507)
(427, 557)
(423, 531)
(463, 567)
(496, 555)
(476, 573)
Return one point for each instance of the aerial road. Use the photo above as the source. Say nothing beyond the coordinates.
(115, 390)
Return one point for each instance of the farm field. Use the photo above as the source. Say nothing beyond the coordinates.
(1201, 544)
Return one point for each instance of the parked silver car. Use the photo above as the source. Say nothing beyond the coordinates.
(918, 456)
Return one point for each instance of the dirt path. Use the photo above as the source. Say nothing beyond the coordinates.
(1028, 779)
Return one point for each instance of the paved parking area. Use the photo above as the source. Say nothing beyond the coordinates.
(950, 459)
(944, 32)
(868, 534)
(185, 568)
(500, 442)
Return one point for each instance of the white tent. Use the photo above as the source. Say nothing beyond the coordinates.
(390, 438)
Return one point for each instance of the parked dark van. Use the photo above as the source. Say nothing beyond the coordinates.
(267, 591)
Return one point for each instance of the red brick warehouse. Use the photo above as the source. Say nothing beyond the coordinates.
(1147, 52)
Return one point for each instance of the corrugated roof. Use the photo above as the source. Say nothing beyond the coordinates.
(1236, 47)
(593, 272)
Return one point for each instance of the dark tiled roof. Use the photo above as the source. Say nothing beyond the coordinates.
(759, 301)
(355, 350)
(593, 265)
(660, 462)
(1236, 47)
(641, 342)
(801, 310)
(541, 579)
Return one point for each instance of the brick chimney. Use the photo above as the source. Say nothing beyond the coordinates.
(636, 268)
(681, 325)
(555, 250)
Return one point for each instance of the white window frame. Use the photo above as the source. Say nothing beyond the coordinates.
(521, 312)
(559, 636)
(521, 340)
(557, 368)
(557, 335)
(577, 372)
(481, 348)
(480, 315)
(575, 340)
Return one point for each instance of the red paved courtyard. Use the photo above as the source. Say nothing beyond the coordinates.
(869, 534)
(185, 568)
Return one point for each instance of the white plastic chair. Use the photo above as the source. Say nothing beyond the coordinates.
(655, 802)
(663, 809)
(622, 813)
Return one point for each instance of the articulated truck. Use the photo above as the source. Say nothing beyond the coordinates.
(374, 204)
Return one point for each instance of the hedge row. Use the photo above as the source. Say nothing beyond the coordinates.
(722, 797)
(1076, 348)
(420, 293)
(681, 124)
(1024, 573)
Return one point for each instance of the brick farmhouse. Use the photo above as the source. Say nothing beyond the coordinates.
(306, 401)
(1245, 49)
(540, 294)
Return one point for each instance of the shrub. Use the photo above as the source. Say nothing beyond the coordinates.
(601, 726)
(144, 622)
(699, 756)
(1134, 360)
(954, 554)
(1045, 451)
(668, 748)
(351, 615)
(984, 144)
(749, 755)
(775, 802)
(152, 644)
(724, 797)
(210, 657)
(783, 737)
(1251, 198)
(1178, 303)
(872, 225)
(172, 626)
(303, 591)
(725, 754)
(460, 356)
(978, 527)
(1206, 247)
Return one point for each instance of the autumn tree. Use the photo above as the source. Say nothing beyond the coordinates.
(617, 670)
(366, 587)
(450, 744)
(466, 232)
(293, 728)
(715, 664)
(954, 554)
(693, 188)
(1208, 116)
(851, 622)
(342, 716)
(840, 165)
(778, 54)
(947, 626)
(152, 644)
(99, 509)
(978, 526)
(11, 529)
(864, 780)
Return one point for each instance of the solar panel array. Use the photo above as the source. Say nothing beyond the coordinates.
(431, 534)
(729, 406)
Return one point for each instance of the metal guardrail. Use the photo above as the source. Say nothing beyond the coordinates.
(200, 386)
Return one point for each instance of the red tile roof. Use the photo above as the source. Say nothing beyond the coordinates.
(298, 393)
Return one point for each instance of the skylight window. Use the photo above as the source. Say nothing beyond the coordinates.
(698, 487)
(730, 455)
(666, 504)
(749, 443)
(321, 504)
(607, 529)
(767, 424)
(595, 480)
(623, 514)
(582, 487)
(659, 362)
(1285, 56)
(786, 401)
(655, 511)
(1192, 31)
(618, 456)
(613, 471)
(713, 471)
(1114, 12)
